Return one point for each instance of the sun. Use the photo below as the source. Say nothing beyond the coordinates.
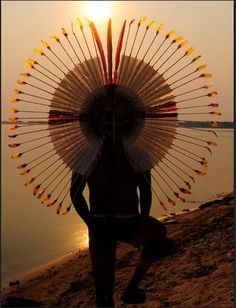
(97, 10)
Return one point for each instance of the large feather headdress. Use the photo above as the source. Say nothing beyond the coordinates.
(77, 92)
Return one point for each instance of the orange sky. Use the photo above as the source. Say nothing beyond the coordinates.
(207, 25)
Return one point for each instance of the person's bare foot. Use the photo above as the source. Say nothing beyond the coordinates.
(133, 296)
(169, 247)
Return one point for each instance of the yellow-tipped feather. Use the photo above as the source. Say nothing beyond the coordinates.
(64, 32)
(151, 24)
(172, 202)
(16, 155)
(169, 34)
(12, 136)
(159, 29)
(188, 185)
(14, 110)
(52, 203)
(36, 189)
(45, 44)
(212, 143)
(15, 100)
(204, 162)
(30, 181)
(196, 58)
(189, 51)
(17, 92)
(214, 124)
(163, 205)
(79, 23)
(217, 113)
(185, 191)
(31, 63)
(39, 52)
(199, 172)
(22, 166)
(54, 38)
(206, 75)
(177, 39)
(13, 120)
(59, 206)
(212, 94)
(142, 20)
(66, 210)
(201, 67)
(14, 145)
(46, 199)
(179, 197)
(25, 172)
(182, 44)
(40, 194)
(13, 127)
(25, 74)
(214, 105)
(21, 82)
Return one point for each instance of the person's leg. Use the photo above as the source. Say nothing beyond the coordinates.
(152, 235)
(102, 252)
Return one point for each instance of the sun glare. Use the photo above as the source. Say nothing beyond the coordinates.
(97, 10)
(86, 239)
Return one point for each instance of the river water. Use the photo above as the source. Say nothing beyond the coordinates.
(33, 235)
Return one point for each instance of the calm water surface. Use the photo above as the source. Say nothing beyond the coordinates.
(33, 234)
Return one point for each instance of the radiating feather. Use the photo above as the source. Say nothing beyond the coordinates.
(100, 48)
(109, 51)
(118, 50)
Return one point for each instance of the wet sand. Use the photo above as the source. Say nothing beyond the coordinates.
(199, 274)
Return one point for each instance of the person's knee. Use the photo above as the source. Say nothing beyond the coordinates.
(162, 232)
(157, 248)
(159, 232)
(157, 229)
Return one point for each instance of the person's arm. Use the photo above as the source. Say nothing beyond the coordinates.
(144, 185)
(76, 192)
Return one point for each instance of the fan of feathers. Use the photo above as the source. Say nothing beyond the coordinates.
(147, 93)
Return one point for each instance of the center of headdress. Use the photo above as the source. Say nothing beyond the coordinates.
(111, 110)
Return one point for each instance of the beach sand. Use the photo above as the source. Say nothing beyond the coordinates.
(199, 274)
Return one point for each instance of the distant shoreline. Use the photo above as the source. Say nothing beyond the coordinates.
(228, 125)
(181, 123)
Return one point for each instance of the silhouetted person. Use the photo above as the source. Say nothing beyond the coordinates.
(114, 215)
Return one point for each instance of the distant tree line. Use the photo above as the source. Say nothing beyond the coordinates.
(205, 124)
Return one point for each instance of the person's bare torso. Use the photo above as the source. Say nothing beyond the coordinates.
(113, 184)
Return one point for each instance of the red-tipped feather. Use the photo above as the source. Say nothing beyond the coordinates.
(109, 51)
(100, 48)
(118, 50)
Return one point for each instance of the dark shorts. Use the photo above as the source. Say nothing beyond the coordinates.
(137, 230)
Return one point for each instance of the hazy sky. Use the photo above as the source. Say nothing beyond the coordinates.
(207, 25)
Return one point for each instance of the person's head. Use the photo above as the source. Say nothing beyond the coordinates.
(112, 113)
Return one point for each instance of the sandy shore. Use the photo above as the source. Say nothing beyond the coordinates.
(199, 274)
